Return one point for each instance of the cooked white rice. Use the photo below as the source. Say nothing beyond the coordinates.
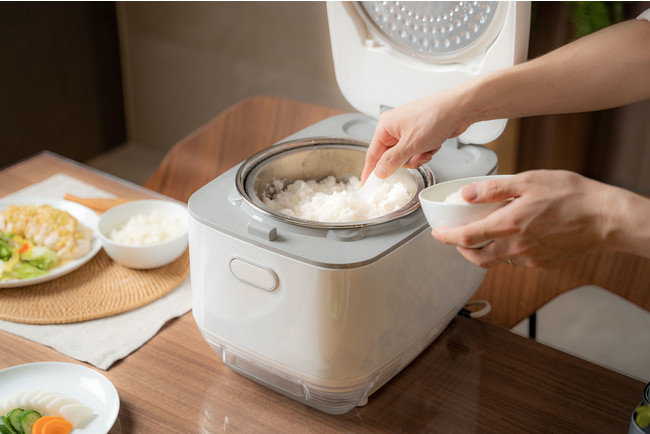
(330, 200)
(455, 197)
(147, 230)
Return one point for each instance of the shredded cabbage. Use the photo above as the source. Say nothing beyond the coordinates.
(24, 270)
(21, 259)
(40, 257)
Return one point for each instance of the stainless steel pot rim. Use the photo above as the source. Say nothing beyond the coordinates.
(250, 168)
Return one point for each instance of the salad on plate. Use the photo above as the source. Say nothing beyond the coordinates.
(36, 238)
(22, 259)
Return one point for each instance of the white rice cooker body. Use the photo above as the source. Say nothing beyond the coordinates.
(326, 317)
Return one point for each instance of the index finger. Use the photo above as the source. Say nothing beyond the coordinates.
(499, 188)
(472, 234)
(463, 236)
(380, 143)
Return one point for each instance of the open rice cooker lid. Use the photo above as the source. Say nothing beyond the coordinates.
(389, 53)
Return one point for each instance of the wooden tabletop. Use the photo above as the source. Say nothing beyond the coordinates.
(476, 377)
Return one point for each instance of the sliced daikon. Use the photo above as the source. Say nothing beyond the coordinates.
(44, 400)
(56, 404)
(48, 404)
(27, 398)
(76, 414)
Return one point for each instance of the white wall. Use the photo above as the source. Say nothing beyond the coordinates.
(185, 62)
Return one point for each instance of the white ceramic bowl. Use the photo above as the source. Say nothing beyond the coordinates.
(142, 257)
(441, 213)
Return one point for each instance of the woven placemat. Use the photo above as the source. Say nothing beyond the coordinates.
(98, 289)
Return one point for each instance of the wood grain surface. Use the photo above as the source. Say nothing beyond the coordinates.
(517, 292)
(228, 139)
(476, 377)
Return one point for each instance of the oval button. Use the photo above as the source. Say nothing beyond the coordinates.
(253, 274)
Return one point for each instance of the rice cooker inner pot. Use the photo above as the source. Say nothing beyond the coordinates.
(315, 159)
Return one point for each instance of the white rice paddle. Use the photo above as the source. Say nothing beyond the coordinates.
(369, 189)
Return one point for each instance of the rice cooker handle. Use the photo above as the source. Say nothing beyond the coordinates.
(262, 230)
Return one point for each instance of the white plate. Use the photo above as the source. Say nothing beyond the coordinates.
(84, 384)
(86, 217)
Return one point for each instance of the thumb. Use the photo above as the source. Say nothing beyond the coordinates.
(390, 161)
(492, 190)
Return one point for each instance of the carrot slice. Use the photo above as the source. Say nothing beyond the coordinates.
(57, 426)
(51, 425)
(24, 248)
(37, 428)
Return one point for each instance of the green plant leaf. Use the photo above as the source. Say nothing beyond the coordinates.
(588, 17)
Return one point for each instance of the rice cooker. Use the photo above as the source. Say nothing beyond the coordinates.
(327, 313)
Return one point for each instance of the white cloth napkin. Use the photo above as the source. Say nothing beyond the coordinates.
(103, 341)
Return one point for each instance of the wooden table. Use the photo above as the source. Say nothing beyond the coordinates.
(476, 377)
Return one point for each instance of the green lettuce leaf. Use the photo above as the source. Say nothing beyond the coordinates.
(5, 248)
(40, 257)
(24, 270)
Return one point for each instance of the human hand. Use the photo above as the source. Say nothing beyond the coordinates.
(409, 135)
(555, 216)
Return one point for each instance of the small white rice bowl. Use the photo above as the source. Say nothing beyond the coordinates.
(144, 234)
(443, 204)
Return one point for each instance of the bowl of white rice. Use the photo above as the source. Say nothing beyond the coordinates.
(443, 203)
(144, 234)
